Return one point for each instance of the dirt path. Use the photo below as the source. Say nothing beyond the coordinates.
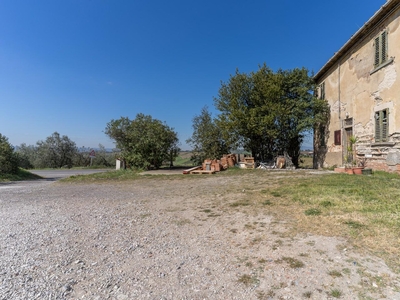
(170, 238)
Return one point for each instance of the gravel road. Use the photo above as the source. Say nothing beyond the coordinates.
(169, 238)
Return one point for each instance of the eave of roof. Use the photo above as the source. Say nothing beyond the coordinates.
(380, 15)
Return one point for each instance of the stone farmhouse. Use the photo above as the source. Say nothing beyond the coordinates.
(361, 84)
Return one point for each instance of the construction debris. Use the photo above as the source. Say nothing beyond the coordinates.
(212, 166)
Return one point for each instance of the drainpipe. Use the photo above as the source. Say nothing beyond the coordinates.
(340, 111)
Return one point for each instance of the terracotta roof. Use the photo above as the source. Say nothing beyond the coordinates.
(378, 17)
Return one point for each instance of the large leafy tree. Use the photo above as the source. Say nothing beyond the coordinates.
(55, 152)
(207, 140)
(8, 158)
(268, 112)
(144, 142)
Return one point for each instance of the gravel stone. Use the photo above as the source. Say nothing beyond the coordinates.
(152, 239)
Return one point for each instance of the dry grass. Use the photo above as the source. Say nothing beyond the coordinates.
(364, 209)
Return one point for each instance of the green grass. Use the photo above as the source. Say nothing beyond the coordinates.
(248, 280)
(335, 293)
(115, 175)
(292, 262)
(364, 208)
(22, 174)
(183, 159)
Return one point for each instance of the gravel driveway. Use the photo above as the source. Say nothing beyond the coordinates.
(172, 237)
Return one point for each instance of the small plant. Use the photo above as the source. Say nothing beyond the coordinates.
(353, 224)
(335, 273)
(293, 263)
(240, 203)
(362, 162)
(326, 203)
(307, 295)
(248, 280)
(266, 202)
(335, 293)
(313, 212)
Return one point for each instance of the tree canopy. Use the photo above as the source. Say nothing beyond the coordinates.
(268, 112)
(8, 158)
(55, 152)
(207, 139)
(144, 141)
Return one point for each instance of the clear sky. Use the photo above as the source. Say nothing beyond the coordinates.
(72, 66)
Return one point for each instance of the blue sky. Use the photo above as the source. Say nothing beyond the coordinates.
(72, 66)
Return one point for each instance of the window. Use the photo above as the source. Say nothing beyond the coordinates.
(322, 91)
(382, 125)
(381, 49)
(337, 136)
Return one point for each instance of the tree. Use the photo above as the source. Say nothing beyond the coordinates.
(8, 158)
(268, 112)
(56, 152)
(26, 156)
(207, 140)
(144, 141)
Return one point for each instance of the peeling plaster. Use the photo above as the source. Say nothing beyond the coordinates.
(389, 78)
(335, 106)
(387, 82)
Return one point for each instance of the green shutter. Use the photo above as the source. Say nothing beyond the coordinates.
(377, 52)
(383, 47)
(377, 127)
(385, 125)
(382, 126)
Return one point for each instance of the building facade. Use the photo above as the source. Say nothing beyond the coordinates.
(361, 84)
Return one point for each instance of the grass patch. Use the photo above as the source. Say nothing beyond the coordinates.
(248, 280)
(313, 212)
(292, 262)
(22, 174)
(115, 175)
(240, 203)
(365, 208)
(335, 273)
(266, 202)
(335, 293)
(353, 224)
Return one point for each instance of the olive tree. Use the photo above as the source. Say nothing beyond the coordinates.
(55, 152)
(144, 142)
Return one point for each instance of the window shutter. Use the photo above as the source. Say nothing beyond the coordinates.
(377, 51)
(377, 127)
(382, 125)
(384, 47)
(385, 125)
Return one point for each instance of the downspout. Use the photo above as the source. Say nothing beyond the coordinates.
(340, 110)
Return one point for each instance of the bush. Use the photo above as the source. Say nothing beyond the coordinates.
(8, 158)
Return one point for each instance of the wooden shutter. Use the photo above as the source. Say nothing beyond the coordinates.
(338, 135)
(385, 125)
(378, 126)
(377, 51)
(383, 47)
(382, 126)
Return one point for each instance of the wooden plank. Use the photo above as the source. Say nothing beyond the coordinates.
(191, 169)
(202, 172)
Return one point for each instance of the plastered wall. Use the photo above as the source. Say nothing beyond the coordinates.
(355, 90)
